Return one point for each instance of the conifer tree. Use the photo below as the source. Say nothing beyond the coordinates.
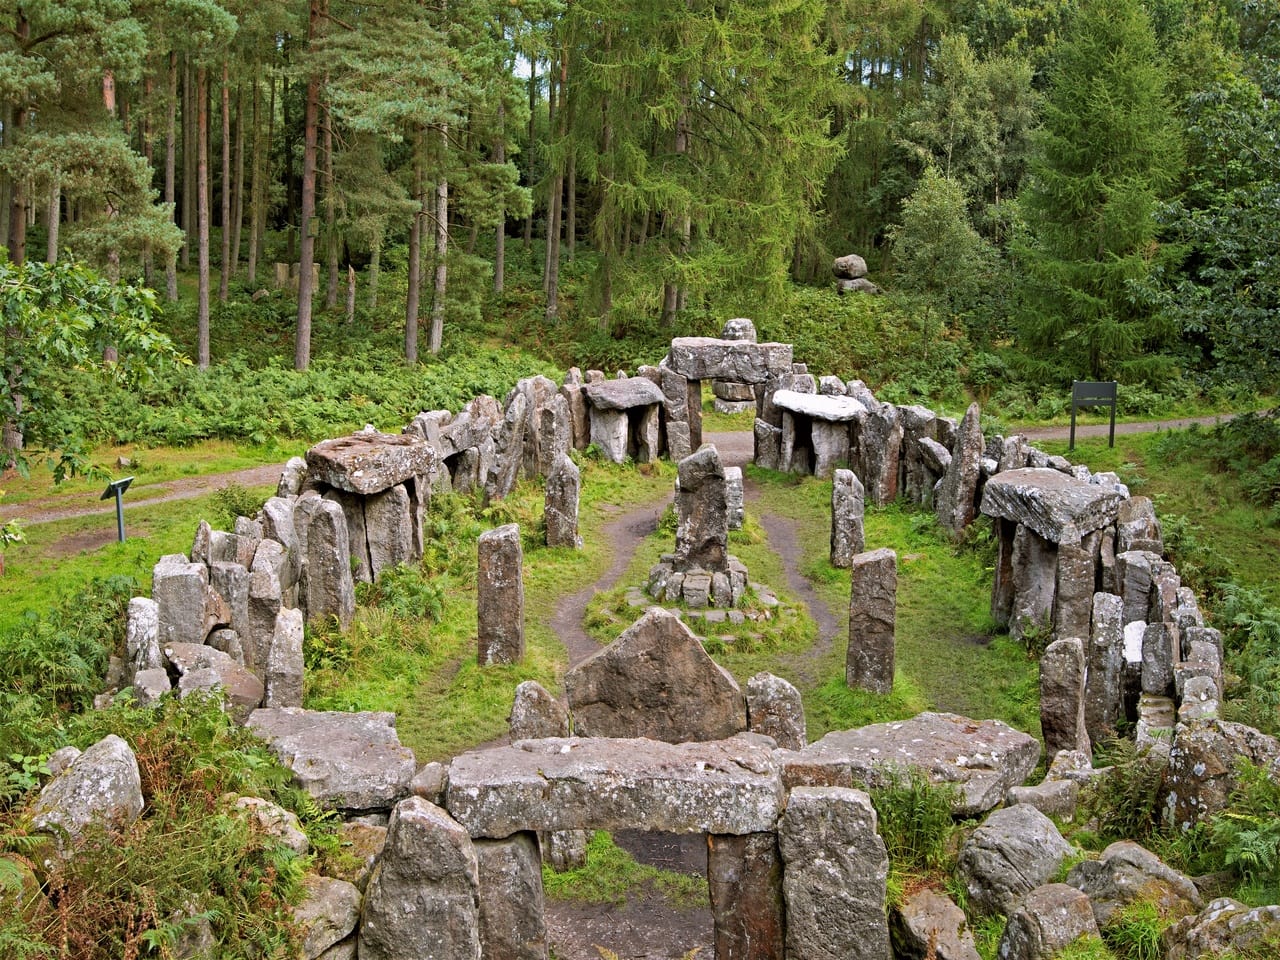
(1104, 156)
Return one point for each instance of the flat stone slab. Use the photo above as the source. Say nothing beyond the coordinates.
(623, 394)
(722, 786)
(981, 758)
(353, 761)
(819, 406)
(367, 463)
(706, 358)
(1046, 501)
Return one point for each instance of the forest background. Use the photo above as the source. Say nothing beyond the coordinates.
(1046, 190)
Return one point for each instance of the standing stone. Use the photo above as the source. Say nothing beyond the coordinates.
(142, 634)
(1160, 645)
(649, 434)
(675, 410)
(744, 879)
(847, 511)
(834, 873)
(508, 456)
(579, 424)
(512, 926)
(879, 446)
(735, 499)
(954, 502)
(560, 503)
(555, 432)
(284, 663)
(1135, 575)
(872, 617)
(500, 596)
(230, 581)
(179, 588)
(1035, 579)
(1075, 586)
(422, 900)
(929, 926)
(357, 533)
(103, 785)
(775, 709)
(1062, 688)
(330, 590)
(1138, 527)
(609, 433)
(388, 519)
(655, 681)
(830, 440)
(702, 525)
(1104, 676)
(768, 445)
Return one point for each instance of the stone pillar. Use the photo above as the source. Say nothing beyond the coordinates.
(512, 925)
(1160, 651)
(389, 523)
(879, 446)
(284, 670)
(555, 432)
(734, 496)
(330, 591)
(609, 430)
(954, 502)
(775, 709)
(1104, 676)
(500, 596)
(1002, 580)
(1075, 584)
(702, 528)
(872, 616)
(421, 902)
(560, 504)
(847, 510)
(1035, 578)
(830, 446)
(834, 870)
(744, 879)
(1062, 692)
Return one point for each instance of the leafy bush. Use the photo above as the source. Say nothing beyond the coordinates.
(234, 501)
(1247, 833)
(405, 592)
(1133, 932)
(1247, 446)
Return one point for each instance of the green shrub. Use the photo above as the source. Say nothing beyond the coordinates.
(234, 501)
(1126, 803)
(133, 891)
(1133, 932)
(915, 822)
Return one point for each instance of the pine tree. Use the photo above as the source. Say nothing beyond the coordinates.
(1104, 156)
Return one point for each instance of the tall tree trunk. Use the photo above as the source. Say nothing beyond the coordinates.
(16, 239)
(557, 123)
(307, 246)
(533, 103)
(375, 268)
(202, 216)
(6, 131)
(224, 271)
(442, 255)
(237, 186)
(351, 294)
(412, 297)
(500, 236)
(330, 215)
(145, 134)
(671, 290)
(55, 217)
(189, 152)
(170, 170)
(571, 216)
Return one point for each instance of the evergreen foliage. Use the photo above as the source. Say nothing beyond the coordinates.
(1105, 155)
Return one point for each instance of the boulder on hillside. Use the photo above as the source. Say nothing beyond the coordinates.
(929, 926)
(1127, 872)
(1202, 766)
(102, 785)
(1046, 922)
(1225, 926)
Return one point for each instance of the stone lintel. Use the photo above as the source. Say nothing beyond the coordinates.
(820, 406)
(740, 361)
(1049, 502)
(624, 394)
(368, 463)
(722, 787)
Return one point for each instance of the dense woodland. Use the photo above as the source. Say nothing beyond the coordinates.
(1071, 189)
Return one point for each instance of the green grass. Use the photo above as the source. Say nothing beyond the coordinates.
(60, 556)
(611, 875)
(426, 671)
